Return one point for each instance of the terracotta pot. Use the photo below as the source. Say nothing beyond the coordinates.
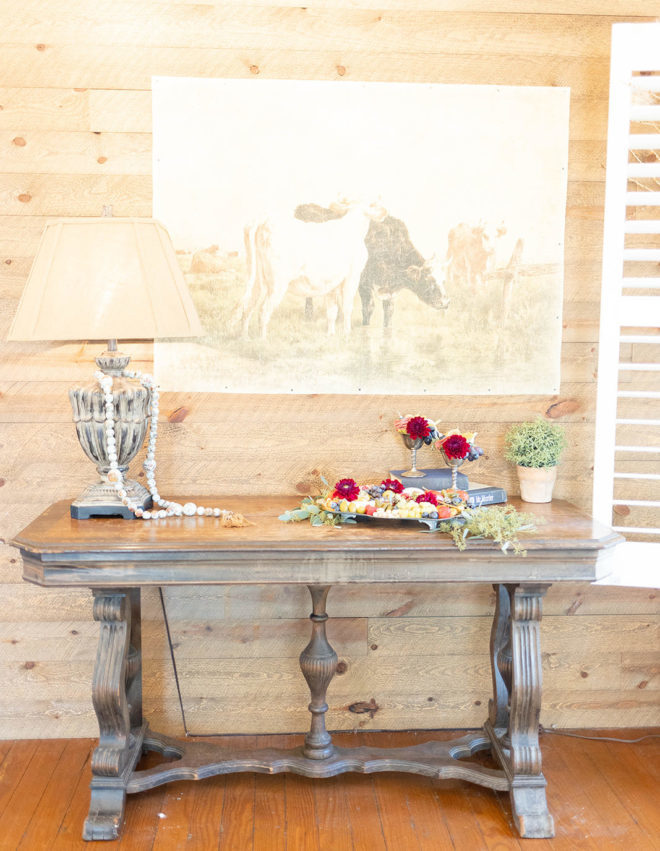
(536, 483)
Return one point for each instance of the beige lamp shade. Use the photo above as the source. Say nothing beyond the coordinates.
(105, 278)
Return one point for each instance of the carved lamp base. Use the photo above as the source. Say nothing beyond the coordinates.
(132, 409)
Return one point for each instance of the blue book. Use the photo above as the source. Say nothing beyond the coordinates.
(485, 495)
(435, 479)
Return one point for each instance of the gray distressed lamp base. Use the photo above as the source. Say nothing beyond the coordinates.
(100, 500)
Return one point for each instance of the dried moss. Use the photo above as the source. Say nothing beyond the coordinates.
(499, 523)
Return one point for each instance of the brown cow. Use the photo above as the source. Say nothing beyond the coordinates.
(476, 254)
(470, 249)
(207, 260)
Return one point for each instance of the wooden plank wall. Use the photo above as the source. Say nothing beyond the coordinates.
(75, 134)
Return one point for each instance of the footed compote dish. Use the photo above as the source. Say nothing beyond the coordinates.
(416, 431)
(456, 448)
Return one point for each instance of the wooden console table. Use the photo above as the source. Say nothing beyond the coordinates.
(115, 558)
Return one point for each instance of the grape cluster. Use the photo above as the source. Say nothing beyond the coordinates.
(434, 434)
(376, 491)
(474, 453)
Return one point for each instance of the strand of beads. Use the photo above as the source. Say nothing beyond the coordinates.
(168, 508)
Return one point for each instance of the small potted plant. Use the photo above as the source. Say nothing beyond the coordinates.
(535, 448)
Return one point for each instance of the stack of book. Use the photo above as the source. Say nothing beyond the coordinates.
(439, 478)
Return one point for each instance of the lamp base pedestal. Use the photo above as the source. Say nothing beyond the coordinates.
(101, 500)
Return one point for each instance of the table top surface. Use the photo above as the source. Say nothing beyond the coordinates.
(567, 544)
(560, 526)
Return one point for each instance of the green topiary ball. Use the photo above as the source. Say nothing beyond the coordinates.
(535, 444)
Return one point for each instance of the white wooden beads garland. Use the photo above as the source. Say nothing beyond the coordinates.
(168, 508)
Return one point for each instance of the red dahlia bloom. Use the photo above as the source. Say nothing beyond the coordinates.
(346, 489)
(456, 446)
(428, 496)
(392, 485)
(418, 427)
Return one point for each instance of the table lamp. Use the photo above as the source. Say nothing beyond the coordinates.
(106, 278)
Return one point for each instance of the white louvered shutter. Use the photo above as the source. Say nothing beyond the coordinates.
(627, 456)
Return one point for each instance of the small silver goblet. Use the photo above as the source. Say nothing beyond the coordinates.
(454, 463)
(413, 443)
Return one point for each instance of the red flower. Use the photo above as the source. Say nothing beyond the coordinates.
(392, 485)
(346, 489)
(418, 427)
(428, 496)
(455, 446)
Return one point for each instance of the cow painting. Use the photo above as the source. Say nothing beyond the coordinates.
(393, 264)
(322, 260)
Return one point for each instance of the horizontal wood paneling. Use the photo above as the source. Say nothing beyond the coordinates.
(539, 7)
(117, 67)
(44, 109)
(277, 638)
(21, 397)
(75, 134)
(594, 660)
(61, 152)
(28, 460)
(302, 28)
(84, 195)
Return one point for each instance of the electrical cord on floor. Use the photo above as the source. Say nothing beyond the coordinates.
(543, 729)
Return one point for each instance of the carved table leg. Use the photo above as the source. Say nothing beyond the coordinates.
(318, 662)
(117, 698)
(528, 801)
(500, 660)
(134, 661)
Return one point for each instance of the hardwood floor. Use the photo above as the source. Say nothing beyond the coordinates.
(602, 794)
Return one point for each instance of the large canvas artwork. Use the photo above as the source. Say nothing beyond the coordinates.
(382, 238)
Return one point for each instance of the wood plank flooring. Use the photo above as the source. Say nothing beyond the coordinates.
(603, 795)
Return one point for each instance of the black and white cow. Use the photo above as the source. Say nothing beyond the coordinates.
(393, 264)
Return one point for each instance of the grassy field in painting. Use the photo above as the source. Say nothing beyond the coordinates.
(474, 346)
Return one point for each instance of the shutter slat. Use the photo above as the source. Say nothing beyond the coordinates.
(643, 199)
(639, 311)
(645, 113)
(643, 254)
(644, 170)
(644, 141)
(642, 226)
